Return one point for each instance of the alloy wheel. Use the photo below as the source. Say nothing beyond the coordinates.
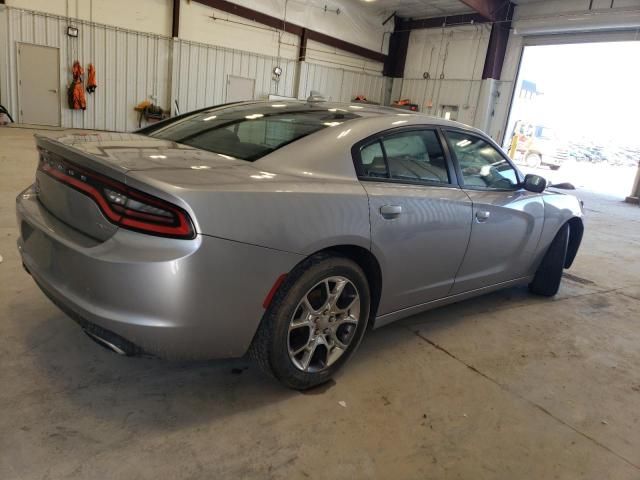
(323, 324)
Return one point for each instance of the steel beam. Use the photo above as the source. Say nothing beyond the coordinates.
(497, 48)
(302, 50)
(278, 23)
(175, 25)
(398, 47)
(492, 10)
(450, 21)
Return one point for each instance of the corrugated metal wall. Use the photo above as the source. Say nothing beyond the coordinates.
(461, 93)
(338, 84)
(201, 74)
(130, 66)
(134, 66)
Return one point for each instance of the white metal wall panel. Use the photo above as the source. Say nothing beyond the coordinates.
(462, 93)
(134, 66)
(339, 85)
(130, 67)
(201, 74)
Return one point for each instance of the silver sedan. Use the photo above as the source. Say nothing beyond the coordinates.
(283, 230)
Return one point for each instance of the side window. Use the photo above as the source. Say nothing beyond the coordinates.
(416, 156)
(481, 164)
(372, 160)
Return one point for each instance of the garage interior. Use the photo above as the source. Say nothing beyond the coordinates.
(507, 385)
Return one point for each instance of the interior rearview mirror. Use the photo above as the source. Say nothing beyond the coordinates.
(534, 183)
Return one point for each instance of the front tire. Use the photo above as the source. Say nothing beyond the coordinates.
(549, 275)
(315, 322)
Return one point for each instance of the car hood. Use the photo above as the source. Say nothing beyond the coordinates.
(134, 152)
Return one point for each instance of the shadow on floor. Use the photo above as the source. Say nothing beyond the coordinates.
(168, 395)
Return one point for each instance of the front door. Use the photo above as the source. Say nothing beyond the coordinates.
(420, 219)
(507, 220)
(39, 84)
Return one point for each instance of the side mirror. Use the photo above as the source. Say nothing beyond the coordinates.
(534, 183)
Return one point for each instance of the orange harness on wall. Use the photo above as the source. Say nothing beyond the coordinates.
(91, 80)
(77, 100)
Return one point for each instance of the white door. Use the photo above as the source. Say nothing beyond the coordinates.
(240, 89)
(39, 84)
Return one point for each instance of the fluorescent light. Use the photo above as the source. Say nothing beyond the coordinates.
(156, 157)
(332, 124)
(254, 116)
(344, 133)
(279, 105)
(463, 143)
(212, 117)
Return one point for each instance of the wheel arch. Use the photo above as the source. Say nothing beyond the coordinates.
(370, 266)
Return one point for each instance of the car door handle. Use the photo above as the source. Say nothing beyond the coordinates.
(53, 90)
(390, 211)
(482, 216)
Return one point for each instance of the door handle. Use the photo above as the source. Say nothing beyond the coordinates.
(53, 90)
(482, 216)
(390, 211)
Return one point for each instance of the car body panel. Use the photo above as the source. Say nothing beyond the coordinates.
(172, 298)
(559, 208)
(421, 250)
(254, 221)
(501, 247)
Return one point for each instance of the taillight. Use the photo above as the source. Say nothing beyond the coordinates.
(120, 204)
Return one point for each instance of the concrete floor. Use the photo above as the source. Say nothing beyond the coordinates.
(506, 386)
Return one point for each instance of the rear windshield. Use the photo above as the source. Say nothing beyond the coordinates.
(249, 132)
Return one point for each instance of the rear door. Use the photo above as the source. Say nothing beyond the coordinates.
(420, 218)
(507, 220)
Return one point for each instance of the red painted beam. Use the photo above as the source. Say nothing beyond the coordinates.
(302, 50)
(175, 25)
(492, 10)
(398, 47)
(278, 23)
(450, 21)
(346, 46)
(497, 48)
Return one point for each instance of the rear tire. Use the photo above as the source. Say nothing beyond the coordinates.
(307, 314)
(549, 275)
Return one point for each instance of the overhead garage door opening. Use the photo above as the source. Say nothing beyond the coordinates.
(574, 115)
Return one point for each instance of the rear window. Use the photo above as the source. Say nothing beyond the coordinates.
(249, 132)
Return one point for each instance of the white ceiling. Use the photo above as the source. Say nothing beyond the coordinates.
(418, 8)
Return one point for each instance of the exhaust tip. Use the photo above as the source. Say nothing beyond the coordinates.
(105, 343)
(111, 341)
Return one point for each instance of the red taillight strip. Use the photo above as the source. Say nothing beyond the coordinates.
(183, 229)
(85, 188)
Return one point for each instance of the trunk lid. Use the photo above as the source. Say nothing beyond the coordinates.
(127, 158)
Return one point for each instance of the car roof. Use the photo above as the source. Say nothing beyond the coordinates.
(362, 110)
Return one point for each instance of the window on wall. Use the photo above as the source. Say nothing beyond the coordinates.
(414, 156)
(481, 164)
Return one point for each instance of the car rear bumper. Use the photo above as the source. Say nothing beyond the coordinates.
(198, 298)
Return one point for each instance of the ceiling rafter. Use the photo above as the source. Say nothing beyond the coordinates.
(492, 10)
